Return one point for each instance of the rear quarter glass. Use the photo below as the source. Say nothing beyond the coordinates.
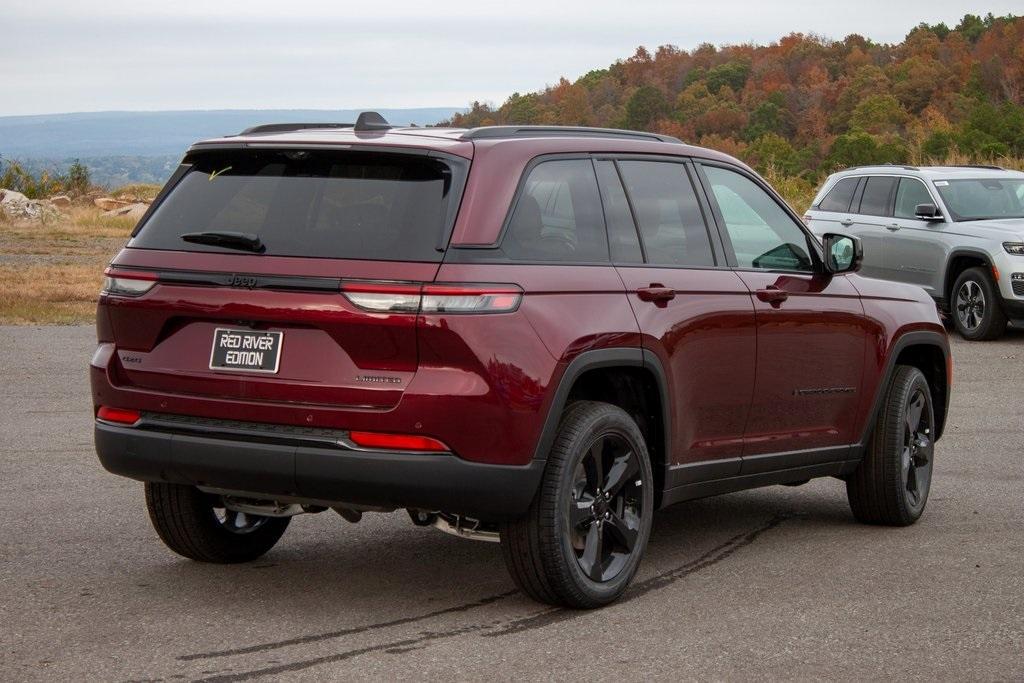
(316, 203)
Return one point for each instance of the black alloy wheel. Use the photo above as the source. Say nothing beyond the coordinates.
(606, 508)
(584, 535)
(918, 448)
(892, 482)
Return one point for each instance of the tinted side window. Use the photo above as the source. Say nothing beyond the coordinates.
(840, 196)
(671, 223)
(558, 216)
(762, 234)
(622, 237)
(911, 193)
(877, 192)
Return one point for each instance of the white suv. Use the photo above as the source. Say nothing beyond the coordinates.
(958, 232)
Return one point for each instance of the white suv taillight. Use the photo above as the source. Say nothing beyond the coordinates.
(387, 297)
(126, 283)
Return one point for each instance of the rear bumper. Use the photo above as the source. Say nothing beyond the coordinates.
(318, 473)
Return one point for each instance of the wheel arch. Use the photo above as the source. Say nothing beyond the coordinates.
(957, 262)
(633, 379)
(928, 352)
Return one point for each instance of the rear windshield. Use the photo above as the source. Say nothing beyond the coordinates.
(981, 199)
(352, 205)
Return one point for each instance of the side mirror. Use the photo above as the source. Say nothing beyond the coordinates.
(843, 253)
(927, 212)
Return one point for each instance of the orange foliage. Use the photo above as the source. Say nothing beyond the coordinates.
(939, 90)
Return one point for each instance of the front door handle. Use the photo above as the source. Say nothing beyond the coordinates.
(772, 295)
(893, 226)
(846, 222)
(656, 292)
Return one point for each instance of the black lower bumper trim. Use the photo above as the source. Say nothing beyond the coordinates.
(1014, 309)
(427, 481)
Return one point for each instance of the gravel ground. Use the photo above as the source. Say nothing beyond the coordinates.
(776, 583)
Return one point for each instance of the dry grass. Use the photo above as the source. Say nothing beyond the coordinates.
(959, 159)
(49, 293)
(797, 191)
(137, 192)
(51, 273)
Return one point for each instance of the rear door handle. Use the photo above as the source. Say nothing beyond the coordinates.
(772, 295)
(846, 222)
(893, 226)
(656, 293)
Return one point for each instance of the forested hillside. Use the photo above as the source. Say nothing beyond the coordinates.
(806, 105)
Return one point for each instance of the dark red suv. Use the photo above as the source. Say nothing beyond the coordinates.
(538, 335)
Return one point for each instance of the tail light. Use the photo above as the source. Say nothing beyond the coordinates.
(383, 297)
(127, 283)
(470, 299)
(386, 297)
(121, 416)
(397, 442)
(807, 219)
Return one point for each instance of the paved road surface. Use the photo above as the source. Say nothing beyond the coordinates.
(775, 583)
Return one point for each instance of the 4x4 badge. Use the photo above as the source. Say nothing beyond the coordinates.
(378, 379)
(247, 281)
(827, 390)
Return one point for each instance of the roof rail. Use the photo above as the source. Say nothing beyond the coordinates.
(495, 132)
(368, 120)
(985, 166)
(903, 166)
(285, 127)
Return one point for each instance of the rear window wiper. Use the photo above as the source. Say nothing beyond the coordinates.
(229, 240)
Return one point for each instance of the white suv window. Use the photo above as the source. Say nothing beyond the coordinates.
(910, 193)
(840, 196)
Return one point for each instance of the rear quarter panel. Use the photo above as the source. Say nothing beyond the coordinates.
(518, 359)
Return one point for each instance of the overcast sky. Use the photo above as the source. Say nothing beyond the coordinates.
(70, 55)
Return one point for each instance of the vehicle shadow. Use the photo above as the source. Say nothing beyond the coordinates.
(352, 577)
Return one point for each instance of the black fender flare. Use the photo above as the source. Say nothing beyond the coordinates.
(948, 280)
(622, 357)
(915, 338)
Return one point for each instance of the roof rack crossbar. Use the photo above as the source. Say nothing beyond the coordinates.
(286, 127)
(495, 132)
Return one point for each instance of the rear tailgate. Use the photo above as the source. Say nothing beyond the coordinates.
(272, 324)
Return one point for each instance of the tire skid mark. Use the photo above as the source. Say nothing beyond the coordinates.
(504, 628)
(400, 645)
(711, 557)
(341, 633)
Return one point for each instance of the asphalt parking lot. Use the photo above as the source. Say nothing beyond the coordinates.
(776, 583)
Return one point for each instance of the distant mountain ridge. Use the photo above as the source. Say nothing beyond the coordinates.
(160, 133)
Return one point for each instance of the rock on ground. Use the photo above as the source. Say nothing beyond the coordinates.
(16, 206)
(109, 203)
(135, 210)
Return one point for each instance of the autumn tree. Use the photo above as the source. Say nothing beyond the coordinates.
(806, 105)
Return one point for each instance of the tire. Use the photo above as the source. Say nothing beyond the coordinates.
(975, 306)
(187, 521)
(891, 484)
(551, 552)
